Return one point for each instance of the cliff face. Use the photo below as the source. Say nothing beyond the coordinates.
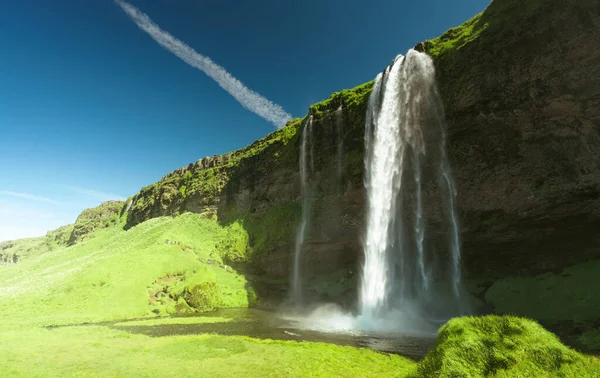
(522, 99)
(92, 219)
(521, 88)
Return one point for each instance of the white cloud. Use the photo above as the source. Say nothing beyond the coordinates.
(247, 97)
(101, 196)
(28, 196)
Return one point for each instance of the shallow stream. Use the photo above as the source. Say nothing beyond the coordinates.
(268, 325)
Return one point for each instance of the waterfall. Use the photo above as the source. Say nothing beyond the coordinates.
(304, 162)
(383, 160)
(411, 196)
(339, 125)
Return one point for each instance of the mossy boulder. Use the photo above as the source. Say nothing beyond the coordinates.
(502, 346)
(203, 297)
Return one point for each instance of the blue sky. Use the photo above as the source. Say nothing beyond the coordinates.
(92, 108)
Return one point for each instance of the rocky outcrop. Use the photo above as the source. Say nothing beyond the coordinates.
(521, 88)
(93, 219)
(522, 102)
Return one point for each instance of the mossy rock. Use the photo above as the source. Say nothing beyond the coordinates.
(90, 220)
(202, 297)
(502, 346)
(182, 307)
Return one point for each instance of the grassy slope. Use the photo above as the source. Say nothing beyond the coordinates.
(109, 275)
(101, 352)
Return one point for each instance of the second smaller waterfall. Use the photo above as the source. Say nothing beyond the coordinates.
(306, 164)
(339, 126)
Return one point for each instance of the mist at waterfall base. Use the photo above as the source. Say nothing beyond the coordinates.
(411, 279)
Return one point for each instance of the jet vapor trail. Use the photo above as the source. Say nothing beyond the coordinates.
(247, 97)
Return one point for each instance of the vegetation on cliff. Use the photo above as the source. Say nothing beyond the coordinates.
(494, 346)
(103, 216)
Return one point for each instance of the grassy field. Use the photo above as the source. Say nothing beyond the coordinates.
(165, 265)
(115, 275)
(100, 352)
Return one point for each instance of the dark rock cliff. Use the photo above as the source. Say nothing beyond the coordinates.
(521, 88)
(522, 102)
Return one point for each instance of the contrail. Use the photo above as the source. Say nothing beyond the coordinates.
(101, 196)
(28, 196)
(247, 97)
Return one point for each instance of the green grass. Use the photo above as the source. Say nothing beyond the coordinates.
(571, 295)
(350, 98)
(101, 352)
(23, 248)
(178, 320)
(495, 346)
(455, 38)
(112, 275)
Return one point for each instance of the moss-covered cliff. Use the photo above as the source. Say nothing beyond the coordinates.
(521, 88)
(92, 219)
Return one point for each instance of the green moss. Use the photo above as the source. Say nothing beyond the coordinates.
(61, 235)
(235, 246)
(449, 43)
(182, 307)
(356, 97)
(272, 228)
(590, 340)
(495, 346)
(570, 295)
(92, 219)
(196, 187)
(203, 297)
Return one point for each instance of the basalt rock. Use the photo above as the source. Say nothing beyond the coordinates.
(521, 89)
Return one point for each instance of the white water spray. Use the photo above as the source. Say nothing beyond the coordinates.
(409, 189)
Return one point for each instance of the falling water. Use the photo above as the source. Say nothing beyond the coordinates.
(383, 160)
(296, 295)
(339, 125)
(411, 195)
